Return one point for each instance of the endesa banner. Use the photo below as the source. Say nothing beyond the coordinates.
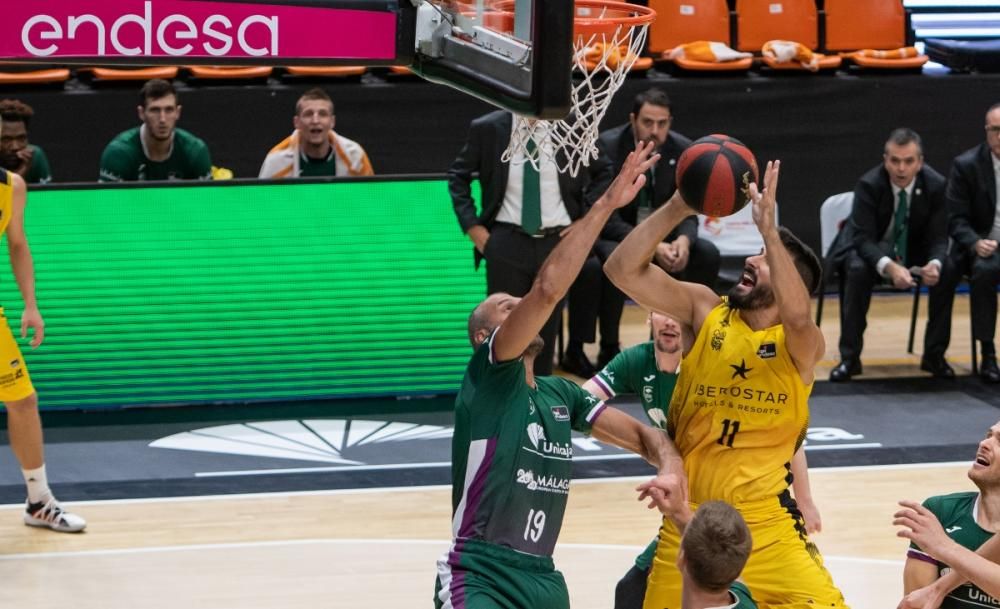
(54, 29)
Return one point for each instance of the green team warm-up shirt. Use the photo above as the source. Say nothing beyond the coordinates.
(511, 453)
(957, 515)
(124, 159)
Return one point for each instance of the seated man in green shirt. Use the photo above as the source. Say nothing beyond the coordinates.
(157, 149)
(16, 153)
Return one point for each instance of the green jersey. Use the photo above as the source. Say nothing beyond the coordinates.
(957, 513)
(634, 371)
(310, 167)
(125, 159)
(741, 597)
(39, 172)
(511, 453)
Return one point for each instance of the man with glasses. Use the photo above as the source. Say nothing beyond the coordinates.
(157, 149)
(974, 225)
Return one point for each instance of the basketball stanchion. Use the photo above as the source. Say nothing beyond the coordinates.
(608, 38)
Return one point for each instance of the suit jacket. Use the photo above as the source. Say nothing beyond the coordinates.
(489, 136)
(927, 236)
(616, 144)
(972, 197)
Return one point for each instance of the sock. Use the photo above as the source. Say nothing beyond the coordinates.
(989, 350)
(38, 484)
(574, 346)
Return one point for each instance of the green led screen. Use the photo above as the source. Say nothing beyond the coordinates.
(217, 293)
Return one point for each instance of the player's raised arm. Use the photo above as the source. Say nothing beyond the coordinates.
(564, 263)
(631, 268)
(803, 337)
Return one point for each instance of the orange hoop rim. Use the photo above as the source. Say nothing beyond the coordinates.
(618, 14)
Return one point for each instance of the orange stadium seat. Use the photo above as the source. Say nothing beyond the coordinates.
(23, 74)
(121, 74)
(860, 29)
(760, 21)
(229, 72)
(682, 21)
(324, 71)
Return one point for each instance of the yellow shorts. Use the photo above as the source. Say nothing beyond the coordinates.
(785, 570)
(15, 382)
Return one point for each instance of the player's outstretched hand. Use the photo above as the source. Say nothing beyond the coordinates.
(764, 202)
(927, 597)
(922, 527)
(631, 178)
(667, 493)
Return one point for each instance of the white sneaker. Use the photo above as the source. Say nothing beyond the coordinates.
(51, 515)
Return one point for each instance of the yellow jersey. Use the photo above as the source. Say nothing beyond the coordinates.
(6, 198)
(739, 412)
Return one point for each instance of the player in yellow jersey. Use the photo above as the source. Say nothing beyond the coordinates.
(739, 411)
(24, 426)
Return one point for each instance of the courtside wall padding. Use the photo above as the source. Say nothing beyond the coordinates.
(208, 293)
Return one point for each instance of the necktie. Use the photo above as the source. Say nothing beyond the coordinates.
(900, 225)
(531, 197)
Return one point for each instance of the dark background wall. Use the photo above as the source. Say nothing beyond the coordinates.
(827, 130)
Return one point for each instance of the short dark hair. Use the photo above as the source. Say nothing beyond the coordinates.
(478, 320)
(903, 136)
(15, 111)
(806, 261)
(654, 96)
(156, 89)
(314, 93)
(716, 545)
(993, 107)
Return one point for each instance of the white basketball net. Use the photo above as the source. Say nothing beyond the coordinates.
(602, 61)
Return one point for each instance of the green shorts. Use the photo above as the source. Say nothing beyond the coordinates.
(479, 575)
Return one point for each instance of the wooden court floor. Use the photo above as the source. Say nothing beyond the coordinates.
(377, 547)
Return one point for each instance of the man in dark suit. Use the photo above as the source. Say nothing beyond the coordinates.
(682, 253)
(975, 230)
(524, 211)
(897, 224)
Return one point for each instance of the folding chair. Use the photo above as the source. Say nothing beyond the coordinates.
(759, 21)
(683, 21)
(855, 26)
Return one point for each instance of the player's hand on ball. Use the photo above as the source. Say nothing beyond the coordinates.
(765, 201)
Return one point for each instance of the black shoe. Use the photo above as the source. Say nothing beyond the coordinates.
(845, 370)
(606, 355)
(576, 362)
(938, 366)
(989, 371)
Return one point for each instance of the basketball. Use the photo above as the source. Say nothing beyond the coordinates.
(714, 175)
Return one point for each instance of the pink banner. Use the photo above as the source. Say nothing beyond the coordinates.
(185, 29)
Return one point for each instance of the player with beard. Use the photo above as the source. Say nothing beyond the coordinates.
(650, 371)
(952, 561)
(740, 409)
(157, 149)
(511, 450)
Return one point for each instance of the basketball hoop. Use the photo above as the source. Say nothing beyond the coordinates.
(608, 37)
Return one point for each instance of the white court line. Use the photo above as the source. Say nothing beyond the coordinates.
(311, 542)
(436, 487)
(430, 464)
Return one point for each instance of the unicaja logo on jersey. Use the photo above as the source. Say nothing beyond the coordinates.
(659, 419)
(536, 435)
